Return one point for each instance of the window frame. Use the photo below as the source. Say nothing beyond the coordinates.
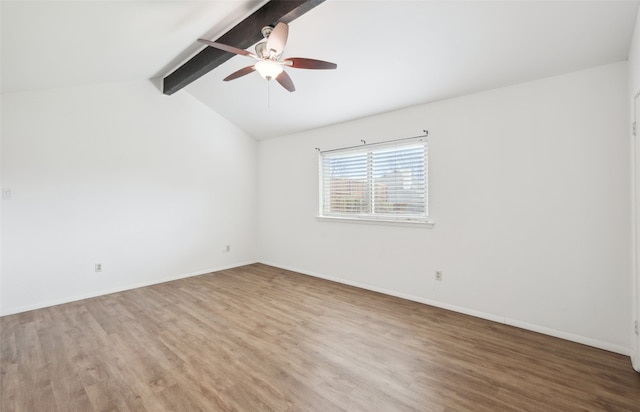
(419, 220)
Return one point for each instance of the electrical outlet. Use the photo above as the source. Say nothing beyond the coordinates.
(438, 275)
(226, 249)
(98, 267)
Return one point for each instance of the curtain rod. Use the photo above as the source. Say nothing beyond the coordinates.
(364, 143)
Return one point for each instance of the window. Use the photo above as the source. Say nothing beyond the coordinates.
(386, 182)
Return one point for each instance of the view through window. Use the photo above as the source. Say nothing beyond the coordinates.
(382, 181)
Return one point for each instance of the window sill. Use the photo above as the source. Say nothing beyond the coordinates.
(405, 223)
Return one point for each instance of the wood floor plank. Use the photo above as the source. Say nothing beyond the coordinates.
(261, 338)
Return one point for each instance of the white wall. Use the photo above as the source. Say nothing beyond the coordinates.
(634, 89)
(151, 186)
(634, 57)
(529, 189)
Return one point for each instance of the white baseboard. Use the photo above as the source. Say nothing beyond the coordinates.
(478, 314)
(512, 322)
(40, 305)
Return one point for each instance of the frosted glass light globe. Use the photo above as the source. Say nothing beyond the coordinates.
(269, 69)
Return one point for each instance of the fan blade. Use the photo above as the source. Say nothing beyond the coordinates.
(227, 48)
(286, 82)
(303, 63)
(278, 38)
(240, 73)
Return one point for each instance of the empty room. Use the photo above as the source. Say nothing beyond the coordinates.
(319, 205)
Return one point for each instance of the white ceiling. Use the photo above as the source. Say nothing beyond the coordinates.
(390, 54)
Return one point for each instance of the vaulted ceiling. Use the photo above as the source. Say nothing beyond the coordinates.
(390, 54)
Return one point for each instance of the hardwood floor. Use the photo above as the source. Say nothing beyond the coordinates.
(257, 338)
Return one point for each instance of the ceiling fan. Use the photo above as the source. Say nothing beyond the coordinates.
(268, 54)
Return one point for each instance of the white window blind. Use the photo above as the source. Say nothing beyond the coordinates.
(383, 181)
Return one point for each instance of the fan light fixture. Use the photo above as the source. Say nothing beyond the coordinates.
(269, 64)
(269, 69)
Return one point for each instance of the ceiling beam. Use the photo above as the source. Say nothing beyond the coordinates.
(243, 35)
